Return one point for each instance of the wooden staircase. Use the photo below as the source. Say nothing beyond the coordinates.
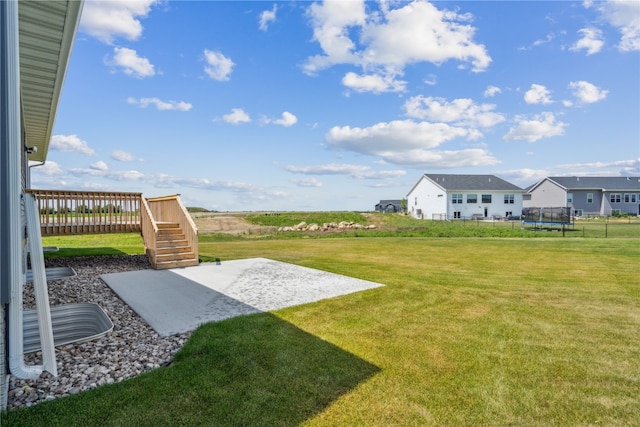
(172, 248)
(169, 233)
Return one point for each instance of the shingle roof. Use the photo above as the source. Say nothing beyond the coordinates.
(472, 182)
(606, 183)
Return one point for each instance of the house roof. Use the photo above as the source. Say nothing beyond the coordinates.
(472, 182)
(46, 33)
(603, 183)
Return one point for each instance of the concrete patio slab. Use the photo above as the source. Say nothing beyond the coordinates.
(179, 300)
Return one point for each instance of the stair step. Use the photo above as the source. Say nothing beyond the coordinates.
(165, 225)
(176, 264)
(175, 256)
(171, 244)
(169, 237)
(173, 249)
(169, 231)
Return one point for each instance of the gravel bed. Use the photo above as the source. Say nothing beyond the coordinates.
(132, 348)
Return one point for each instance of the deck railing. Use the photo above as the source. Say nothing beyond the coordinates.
(87, 212)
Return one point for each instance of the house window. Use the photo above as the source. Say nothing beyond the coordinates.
(614, 198)
(589, 197)
(627, 197)
(456, 215)
(633, 198)
(416, 201)
(509, 199)
(472, 198)
(508, 214)
(569, 197)
(577, 212)
(486, 198)
(456, 199)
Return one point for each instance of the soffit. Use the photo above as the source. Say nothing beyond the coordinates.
(46, 33)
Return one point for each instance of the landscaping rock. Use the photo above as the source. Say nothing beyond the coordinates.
(132, 348)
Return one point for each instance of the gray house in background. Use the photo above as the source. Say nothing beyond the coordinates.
(587, 195)
(389, 206)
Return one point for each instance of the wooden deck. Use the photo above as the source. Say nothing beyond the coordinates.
(169, 233)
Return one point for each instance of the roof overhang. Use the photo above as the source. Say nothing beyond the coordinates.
(47, 29)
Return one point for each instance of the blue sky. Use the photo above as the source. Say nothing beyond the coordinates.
(248, 106)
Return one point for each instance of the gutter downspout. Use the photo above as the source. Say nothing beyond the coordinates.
(11, 186)
(39, 286)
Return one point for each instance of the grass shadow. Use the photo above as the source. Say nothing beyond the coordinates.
(254, 370)
(84, 251)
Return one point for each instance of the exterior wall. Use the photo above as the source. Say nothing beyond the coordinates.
(426, 199)
(547, 195)
(581, 203)
(4, 380)
(430, 201)
(497, 207)
(629, 206)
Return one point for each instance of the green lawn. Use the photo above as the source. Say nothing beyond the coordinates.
(467, 331)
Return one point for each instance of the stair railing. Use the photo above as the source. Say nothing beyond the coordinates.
(149, 230)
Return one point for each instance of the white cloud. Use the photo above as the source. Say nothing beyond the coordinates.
(591, 41)
(131, 63)
(245, 192)
(431, 80)
(524, 176)
(331, 22)
(122, 156)
(633, 164)
(390, 39)
(100, 165)
(307, 182)
(549, 38)
(236, 116)
(96, 171)
(410, 144)
(527, 177)
(625, 16)
(161, 105)
(70, 143)
(287, 119)
(49, 168)
(355, 171)
(434, 159)
(398, 135)
(462, 111)
(108, 19)
(491, 91)
(538, 94)
(267, 17)
(218, 66)
(541, 126)
(329, 169)
(376, 83)
(587, 93)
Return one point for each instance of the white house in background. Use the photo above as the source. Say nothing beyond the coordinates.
(441, 196)
(587, 195)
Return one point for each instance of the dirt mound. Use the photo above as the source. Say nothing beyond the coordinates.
(230, 223)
